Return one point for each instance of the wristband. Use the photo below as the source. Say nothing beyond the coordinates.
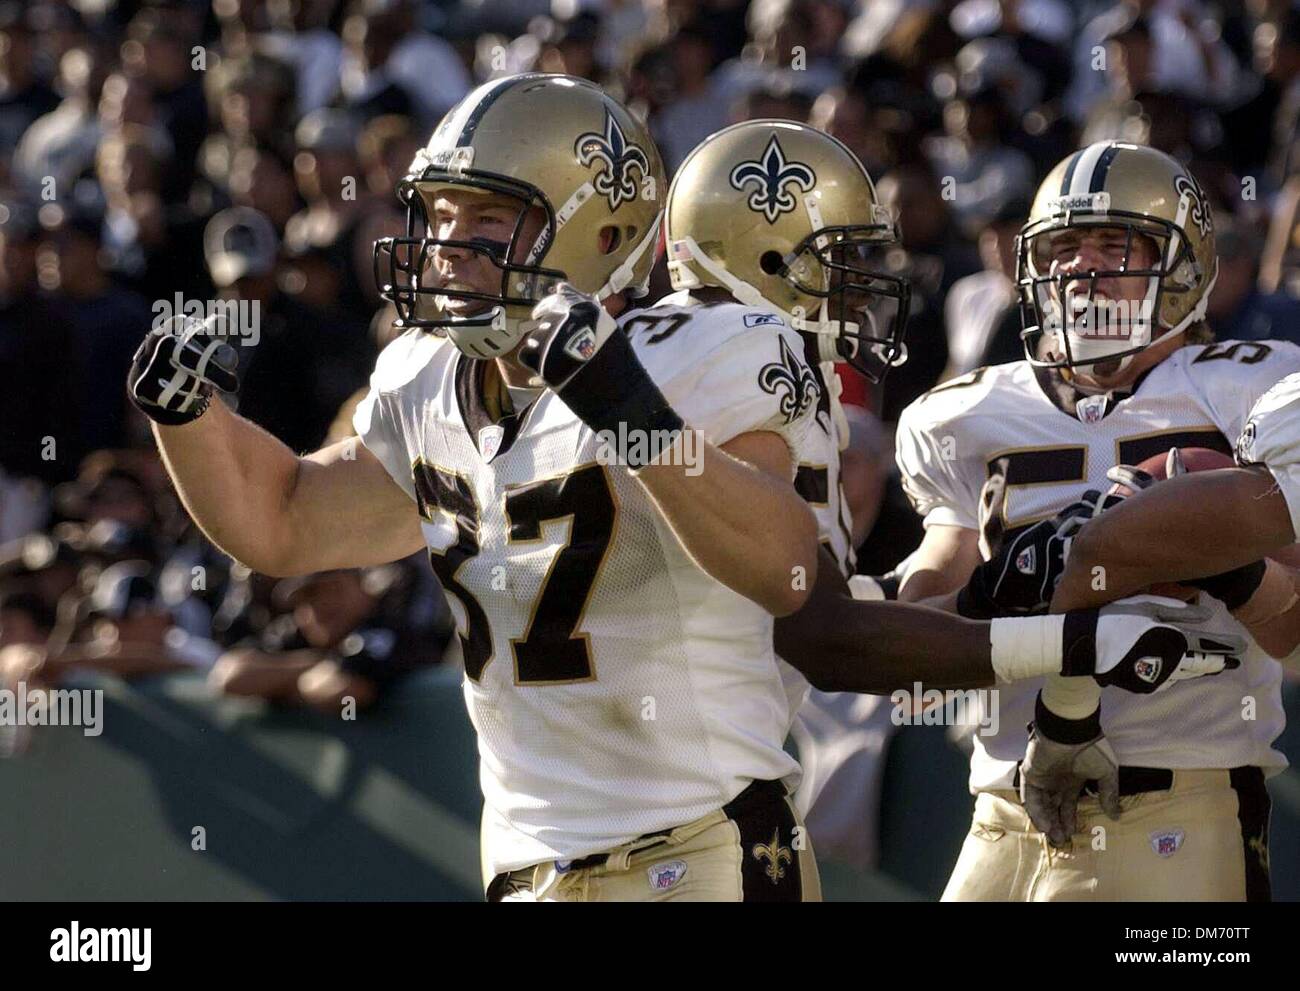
(613, 390)
(1275, 595)
(1026, 647)
(1236, 587)
(1066, 729)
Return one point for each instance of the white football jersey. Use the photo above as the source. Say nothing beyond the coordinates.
(616, 688)
(1271, 437)
(1060, 445)
(817, 479)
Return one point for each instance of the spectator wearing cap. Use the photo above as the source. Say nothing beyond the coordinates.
(24, 96)
(301, 364)
(1041, 32)
(981, 310)
(338, 639)
(337, 217)
(106, 320)
(390, 65)
(111, 485)
(42, 401)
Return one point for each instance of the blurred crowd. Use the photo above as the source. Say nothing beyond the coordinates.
(153, 151)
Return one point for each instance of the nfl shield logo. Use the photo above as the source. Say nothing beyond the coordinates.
(664, 876)
(489, 440)
(1091, 408)
(1166, 843)
(1148, 669)
(582, 346)
(1026, 560)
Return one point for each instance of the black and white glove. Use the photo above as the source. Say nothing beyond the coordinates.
(1062, 756)
(1021, 568)
(178, 365)
(1145, 643)
(1141, 644)
(575, 348)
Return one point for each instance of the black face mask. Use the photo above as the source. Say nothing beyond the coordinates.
(860, 293)
(403, 266)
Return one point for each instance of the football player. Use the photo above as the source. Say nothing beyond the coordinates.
(783, 216)
(614, 596)
(1114, 265)
(780, 215)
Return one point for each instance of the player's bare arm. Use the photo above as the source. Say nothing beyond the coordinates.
(739, 516)
(941, 566)
(844, 644)
(741, 519)
(276, 512)
(908, 643)
(1159, 535)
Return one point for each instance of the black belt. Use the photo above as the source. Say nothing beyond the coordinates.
(1132, 781)
(756, 791)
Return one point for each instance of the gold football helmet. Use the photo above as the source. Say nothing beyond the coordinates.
(550, 142)
(783, 215)
(1121, 193)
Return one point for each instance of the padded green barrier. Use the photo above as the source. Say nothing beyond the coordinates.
(294, 805)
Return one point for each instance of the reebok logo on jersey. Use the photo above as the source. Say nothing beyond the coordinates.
(1148, 669)
(666, 875)
(582, 345)
(1167, 842)
(763, 320)
(1026, 560)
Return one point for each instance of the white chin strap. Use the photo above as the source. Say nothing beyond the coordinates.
(621, 278)
(495, 332)
(686, 249)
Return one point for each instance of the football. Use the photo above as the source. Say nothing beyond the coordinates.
(1176, 461)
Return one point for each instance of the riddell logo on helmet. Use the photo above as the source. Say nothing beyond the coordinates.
(1098, 202)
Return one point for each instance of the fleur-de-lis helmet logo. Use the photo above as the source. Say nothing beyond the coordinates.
(616, 181)
(773, 175)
